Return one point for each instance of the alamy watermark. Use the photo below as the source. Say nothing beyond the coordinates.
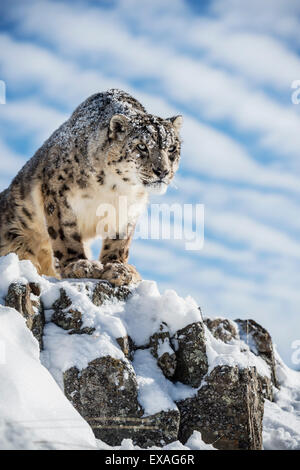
(296, 94)
(2, 92)
(296, 354)
(158, 222)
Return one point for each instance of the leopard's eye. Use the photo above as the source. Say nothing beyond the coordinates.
(141, 147)
(172, 148)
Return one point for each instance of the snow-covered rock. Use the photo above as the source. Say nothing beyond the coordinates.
(34, 412)
(142, 368)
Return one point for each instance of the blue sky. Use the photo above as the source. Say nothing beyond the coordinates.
(228, 68)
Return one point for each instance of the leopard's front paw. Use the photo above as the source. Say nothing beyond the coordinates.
(83, 268)
(120, 274)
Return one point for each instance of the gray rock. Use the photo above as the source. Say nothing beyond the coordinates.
(70, 318)
(157, 430)
(161, 349)
(266, 387)
(228, 410)
(260, 343)
(104, 292)
(35, 288)
(106, 395)
(67, 317)
(24, 298)
(126, 345)
(222, 329)
(189, 345)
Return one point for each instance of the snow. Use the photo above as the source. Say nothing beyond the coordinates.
(153, 383)
(31, 404)
(139, 317)
(35, 414)
(282, 418)
(13, 270)
(147, 309)
(163, 348)
(63, 351)
(235, 353)
(195, 442)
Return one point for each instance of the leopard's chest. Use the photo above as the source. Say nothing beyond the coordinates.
(106, 210)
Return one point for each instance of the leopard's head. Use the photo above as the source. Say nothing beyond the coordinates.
(148, 149)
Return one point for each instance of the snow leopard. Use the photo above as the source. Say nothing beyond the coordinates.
(110, 149)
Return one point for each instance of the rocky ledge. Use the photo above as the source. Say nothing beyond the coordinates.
(145, 366)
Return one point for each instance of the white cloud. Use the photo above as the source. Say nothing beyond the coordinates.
(277, 17)
(31, 118)
(61, 80)
(257, 221)
(257, 56)
(209, 151)
(215, 154)
(217, 94)
(10, 162)
(228, 37)
(255, 235)
(270, 207)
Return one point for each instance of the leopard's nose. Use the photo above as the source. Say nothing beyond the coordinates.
(161, 173)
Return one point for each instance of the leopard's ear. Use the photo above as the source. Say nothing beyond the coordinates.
(176, 121)
(118, 126)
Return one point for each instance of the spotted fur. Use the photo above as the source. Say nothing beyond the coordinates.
(109, 147)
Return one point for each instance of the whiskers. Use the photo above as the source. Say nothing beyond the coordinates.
(148, 179)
